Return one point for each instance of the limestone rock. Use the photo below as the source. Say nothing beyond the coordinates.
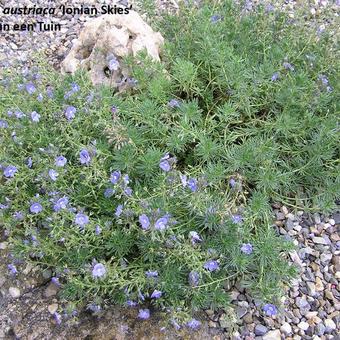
(103, 43)
(272, 335)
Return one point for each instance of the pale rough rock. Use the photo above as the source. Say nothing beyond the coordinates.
(14, 292)
(272, 335)
(286, 328)
(107, 36)
(53, 308)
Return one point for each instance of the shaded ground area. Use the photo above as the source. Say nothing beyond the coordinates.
(310, 309)
(28, 301)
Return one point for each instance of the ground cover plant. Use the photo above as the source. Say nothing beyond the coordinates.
(161, 196)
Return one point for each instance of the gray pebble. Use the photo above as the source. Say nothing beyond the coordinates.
(320, 329)
(260, 330)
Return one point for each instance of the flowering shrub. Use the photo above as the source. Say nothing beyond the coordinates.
(161, 195)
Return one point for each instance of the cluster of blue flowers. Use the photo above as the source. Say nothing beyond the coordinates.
(119, 183)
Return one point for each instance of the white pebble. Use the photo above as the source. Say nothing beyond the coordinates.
(303, 325)
(286, 328)
(331, 221)
(14, 292)
(3, 245)
(330, 324)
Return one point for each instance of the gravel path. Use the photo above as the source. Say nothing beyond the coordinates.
(311, 309)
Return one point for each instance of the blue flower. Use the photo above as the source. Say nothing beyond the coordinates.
(194, 278)
(53, 174)
(81, 219)
(192, 184)
(57, 318)
(75, 87)
(323, 79)
(30, 88)
(18, 215)
(144, 221)
(128, 191)
(89, 98)
(288, 66)
(194, 324)
(151, 273)
(211, 265)
(55, 280)
(119, 210)
(183, 180)
(4, 206)
(60, 204)
(325, 82)
(270, 309)
(161, 223)
(84, 157)
(98, 270)
(131, 303)
(236, 219)
(275, 76)
(165, 165)
(114, 109)
(247, 248)
(3, 124)
(29, 162)
(156, 294)
(132, 82)
(194, 237)
(70, 112)
(144, 314)
(60, 161)
(113, 64)
(49, 92)
(36, 208)
(40, 97)
(108, 192)
(215, 18)
(35, 116)
(98, 230)
(174, 103)
(12, 269)
(94, 308)
(115, 176)
(10, 171)
(19, 114)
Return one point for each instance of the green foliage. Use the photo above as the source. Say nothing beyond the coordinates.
(276, 139)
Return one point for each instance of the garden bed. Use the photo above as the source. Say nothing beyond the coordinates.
(161, 198)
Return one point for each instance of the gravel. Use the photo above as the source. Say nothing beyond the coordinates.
(311, 305)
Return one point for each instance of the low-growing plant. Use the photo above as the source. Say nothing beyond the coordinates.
(162, 195)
